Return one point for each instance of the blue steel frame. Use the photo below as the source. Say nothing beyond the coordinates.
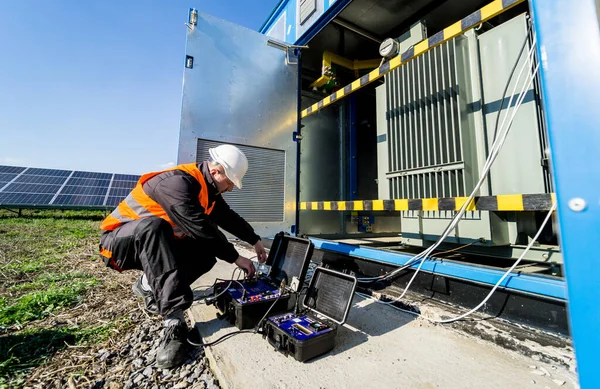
(539, 285)
(568, 34)
(331, 11)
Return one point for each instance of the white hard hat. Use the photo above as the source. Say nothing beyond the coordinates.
(233, 161)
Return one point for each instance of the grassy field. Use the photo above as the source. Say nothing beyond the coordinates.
(55, 292)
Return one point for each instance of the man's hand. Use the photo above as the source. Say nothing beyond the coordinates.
(246, 265)
(261, 254)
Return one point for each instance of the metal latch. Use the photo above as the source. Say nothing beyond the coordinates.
(291, 51)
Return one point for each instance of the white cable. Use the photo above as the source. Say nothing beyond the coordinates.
(485, 300)
(535, 238)
(240, 284)
(496, 146)
(383, 302)
(487, 167)
(224, 290)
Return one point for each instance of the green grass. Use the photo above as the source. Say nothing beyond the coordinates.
(28, 265)
(32, 347)
(38, 277)
(43, 280)
(40, 303)
(31, 244)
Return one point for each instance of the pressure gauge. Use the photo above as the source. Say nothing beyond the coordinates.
(389, 48)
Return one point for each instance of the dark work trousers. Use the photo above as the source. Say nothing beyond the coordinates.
(171, 265)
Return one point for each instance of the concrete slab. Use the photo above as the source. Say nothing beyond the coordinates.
(379, 347)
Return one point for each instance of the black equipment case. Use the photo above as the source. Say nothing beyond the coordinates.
(273, 290)
(311, 332)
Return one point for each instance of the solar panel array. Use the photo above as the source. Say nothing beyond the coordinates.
(36, 187)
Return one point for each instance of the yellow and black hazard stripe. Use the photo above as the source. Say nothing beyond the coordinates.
(514, 202)
(489, 11)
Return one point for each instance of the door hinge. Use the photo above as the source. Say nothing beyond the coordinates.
(193, 19)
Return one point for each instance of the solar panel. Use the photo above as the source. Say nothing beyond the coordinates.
(124, 184)
(84, 190)
(79, 200)
(119, 192)
(39, 187)
(88, 182)
(113, 200)
(7, 177)
(35, 179)
(102, 176)
(126, 177)
(47, 172)
(11, 169)
(16, 187)
(25, 199)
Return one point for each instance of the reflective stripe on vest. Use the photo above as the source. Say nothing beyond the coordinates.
(138, 204)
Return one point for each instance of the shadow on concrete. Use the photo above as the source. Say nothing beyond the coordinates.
(364, 322)
(213, 326)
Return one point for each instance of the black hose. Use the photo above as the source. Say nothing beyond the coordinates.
(222, 338)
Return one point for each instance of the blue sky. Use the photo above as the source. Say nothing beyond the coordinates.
(96, 85)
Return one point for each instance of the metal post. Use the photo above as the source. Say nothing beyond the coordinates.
(568, 34)
(353, 148)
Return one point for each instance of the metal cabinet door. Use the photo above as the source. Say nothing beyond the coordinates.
(241, 89)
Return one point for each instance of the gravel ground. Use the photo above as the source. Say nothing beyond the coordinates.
(125, 363)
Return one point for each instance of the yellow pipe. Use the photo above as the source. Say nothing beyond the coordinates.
(330, 58)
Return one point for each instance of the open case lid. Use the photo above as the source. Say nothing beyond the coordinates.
(289, 257)
(330, 294)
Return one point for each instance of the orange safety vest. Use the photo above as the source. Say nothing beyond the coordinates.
(138, 204)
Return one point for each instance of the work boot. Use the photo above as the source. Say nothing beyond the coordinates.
(150, 305)
(173, 348)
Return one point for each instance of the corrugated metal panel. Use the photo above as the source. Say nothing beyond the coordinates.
(424, 127)
(262, 196)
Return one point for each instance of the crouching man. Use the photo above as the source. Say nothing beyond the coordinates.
(168, 228)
